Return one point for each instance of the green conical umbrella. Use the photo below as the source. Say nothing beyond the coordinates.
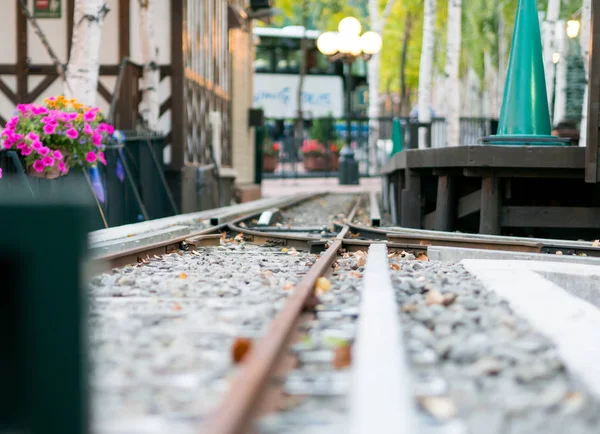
(525, 114)
(396, 137)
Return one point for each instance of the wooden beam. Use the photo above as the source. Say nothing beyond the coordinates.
(481, 172)
(70, 25)
(411, 200)
(21, 53)
(45, 69)
(41, 88)
(445, 207)
(104, 92)
(550, 217)
(124, 25)
(8, 92)
(178, 114)
(469, 204)
(489, 217)
(592, 154)
(165, 106)
(2, 120)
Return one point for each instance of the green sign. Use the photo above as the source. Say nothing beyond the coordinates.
(47, 8)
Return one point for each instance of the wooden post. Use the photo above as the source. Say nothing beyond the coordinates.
(445, 208)
(489, 219)
(592, 156)
(411, 200)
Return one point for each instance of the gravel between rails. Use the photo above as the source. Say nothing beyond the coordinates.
(161, 333)
(318, 387)
(319, 212)
(478, 367)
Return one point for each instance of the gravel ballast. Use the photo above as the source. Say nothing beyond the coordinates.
(319, 212)
(479, 368)
(162, 333)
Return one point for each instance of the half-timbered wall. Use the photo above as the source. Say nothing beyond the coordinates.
(207, 82)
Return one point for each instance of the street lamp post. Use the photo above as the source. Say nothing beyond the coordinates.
(348, 45)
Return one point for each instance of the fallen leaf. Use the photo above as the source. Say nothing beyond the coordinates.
(558, 252)
(241, 347)
(284, 250)
(176, 306)
(195, 252)
(441, 407)
(596, 243)
(422, 257)
(130, 235)
(293, 252)
(434, 297)
(355, 274)
(395, 266)
(361, 262)
(254, 221)
(268, 273)
(343, 357)
(323, 284)
(449, 298)
(183, 276)
(289, 286)
(243, 225)
(239, 237)
(409, 308)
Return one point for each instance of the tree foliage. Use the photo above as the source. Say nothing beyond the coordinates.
(483, 22)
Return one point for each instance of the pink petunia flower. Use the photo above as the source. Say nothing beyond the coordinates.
(48, 161)
(87, 129)
(72, 133)
(32, 136)
(49, 120)
(21, 145)
(57, 154)
(8, 143)
(49, 128)
(37, 145)
(97, 139)
(101, 158)
(89, 116)
(26, 151)
(72, 116)
(23, 108)
(90, 157)
(62, 167)
(38, 166)
(44, 150)
(0, 173)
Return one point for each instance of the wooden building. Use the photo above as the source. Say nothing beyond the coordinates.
(200, 73)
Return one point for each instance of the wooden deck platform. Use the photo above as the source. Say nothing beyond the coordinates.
(520, 190)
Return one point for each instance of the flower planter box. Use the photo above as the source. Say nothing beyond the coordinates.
(321, 163)
(270, 163)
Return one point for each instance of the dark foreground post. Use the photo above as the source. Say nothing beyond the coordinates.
(43, 378)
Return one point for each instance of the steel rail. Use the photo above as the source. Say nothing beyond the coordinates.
(240, 403)
(475, 241)
(201, 237)
(242, 399)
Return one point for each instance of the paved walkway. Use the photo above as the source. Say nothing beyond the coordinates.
(282, 187)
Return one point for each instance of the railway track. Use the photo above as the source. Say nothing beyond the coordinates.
(319, 326)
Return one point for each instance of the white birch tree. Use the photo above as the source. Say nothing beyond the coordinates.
(82, 71)
(150, 104)
(378, 20)
(452, 97)
(550, 45)
(584, 42)
(560, 100)
(426, 68)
